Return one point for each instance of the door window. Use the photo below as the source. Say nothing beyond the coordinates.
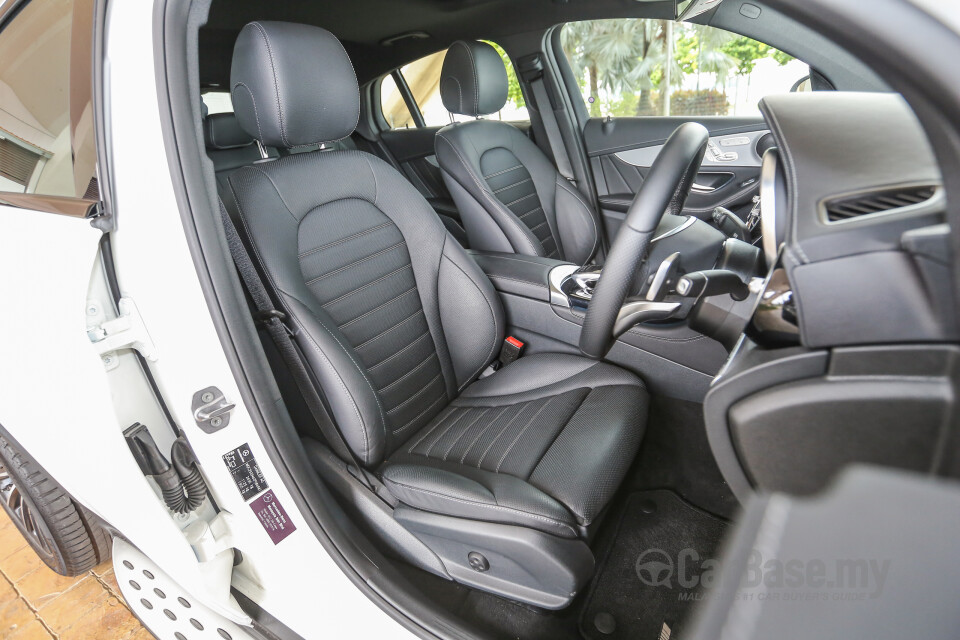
(642, 67)
(423, 79)
(47, 143)
(217, 101)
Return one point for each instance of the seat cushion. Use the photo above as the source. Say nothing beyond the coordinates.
(543, 443)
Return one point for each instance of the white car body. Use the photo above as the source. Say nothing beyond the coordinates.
(62, 405)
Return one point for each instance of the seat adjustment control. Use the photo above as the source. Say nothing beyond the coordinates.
(478, 562)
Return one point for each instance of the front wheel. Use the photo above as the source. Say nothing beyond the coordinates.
(67, 537)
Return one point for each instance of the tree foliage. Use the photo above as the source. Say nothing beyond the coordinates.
(620, 64)
(514, 94)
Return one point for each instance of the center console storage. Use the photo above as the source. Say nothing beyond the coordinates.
(673, 359)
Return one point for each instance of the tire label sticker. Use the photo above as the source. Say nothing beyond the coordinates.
(245, 471)
(272, 516)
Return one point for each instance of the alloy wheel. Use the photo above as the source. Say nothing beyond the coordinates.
(21, 511)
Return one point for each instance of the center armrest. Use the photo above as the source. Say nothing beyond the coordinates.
(516, 274)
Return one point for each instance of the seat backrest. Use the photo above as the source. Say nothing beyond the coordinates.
(510, 197)
(393, 318)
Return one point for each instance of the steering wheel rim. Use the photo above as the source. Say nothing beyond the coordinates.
(665, 188)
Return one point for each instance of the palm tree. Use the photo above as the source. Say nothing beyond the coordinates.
(620, 56)
(711, 57)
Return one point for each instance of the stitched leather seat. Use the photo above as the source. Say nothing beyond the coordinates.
(543, 443)
(510, 197)
(396, 321)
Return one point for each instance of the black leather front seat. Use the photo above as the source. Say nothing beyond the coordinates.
(511, 198)
(397, 322)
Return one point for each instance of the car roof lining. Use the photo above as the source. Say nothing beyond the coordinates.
(444, 20)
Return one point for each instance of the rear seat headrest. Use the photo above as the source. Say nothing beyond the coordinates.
(223, 131)
(293, 85)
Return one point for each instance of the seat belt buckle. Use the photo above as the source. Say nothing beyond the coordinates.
(510, 351)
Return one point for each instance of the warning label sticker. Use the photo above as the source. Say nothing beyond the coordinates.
(245, 471)
(272, 516)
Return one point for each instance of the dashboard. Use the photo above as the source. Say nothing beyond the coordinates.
(852, 213)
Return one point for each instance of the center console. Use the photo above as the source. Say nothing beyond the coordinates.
(544, 301)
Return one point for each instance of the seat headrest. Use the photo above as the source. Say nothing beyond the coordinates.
(223, 131)
(473, 81)
(293, 85)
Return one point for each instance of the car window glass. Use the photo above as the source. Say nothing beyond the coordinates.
(423, 78)
(217, 102)
(47, 143)
(395, 110)
(642, 67)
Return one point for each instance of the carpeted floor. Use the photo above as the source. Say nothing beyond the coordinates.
(651, 574)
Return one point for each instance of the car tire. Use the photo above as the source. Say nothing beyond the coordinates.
(66, 536)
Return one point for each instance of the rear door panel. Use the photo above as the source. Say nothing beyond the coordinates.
(622, 150)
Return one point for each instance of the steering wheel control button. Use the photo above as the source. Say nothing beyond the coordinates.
(478, 562)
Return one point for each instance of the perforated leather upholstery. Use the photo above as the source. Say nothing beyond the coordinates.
(396, 322)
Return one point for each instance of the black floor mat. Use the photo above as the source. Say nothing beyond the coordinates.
(638, 586)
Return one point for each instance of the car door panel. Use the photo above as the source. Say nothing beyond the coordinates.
(622, 150)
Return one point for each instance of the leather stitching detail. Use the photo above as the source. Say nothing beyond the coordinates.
(414, 419)
(523, 430)
(558, 523)
(302, 330)
(410, 372)
(467, 430)
(496, 325)
(415, 314)
(480, 414)
(417, 394)
(256, 114)
(342, 240)
(493, 200)
(276, 81)
(590, 216)
(476, 83)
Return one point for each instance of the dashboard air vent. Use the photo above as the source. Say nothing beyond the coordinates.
(877, 202)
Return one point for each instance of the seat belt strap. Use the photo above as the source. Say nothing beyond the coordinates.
(531, 69)
(281, 335)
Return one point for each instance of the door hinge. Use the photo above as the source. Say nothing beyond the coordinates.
(126, 331)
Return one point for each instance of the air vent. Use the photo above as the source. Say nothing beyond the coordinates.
(877, 202)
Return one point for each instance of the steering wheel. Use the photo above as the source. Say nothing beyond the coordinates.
(665, 188)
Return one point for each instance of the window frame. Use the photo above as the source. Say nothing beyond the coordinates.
(410, 101)
(71, 206)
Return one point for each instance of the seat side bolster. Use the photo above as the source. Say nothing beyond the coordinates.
(576, 223)
(485, 496)
(545, 375)
(466, 295)
(600, 441)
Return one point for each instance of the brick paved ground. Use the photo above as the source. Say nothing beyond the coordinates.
(38, 604)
